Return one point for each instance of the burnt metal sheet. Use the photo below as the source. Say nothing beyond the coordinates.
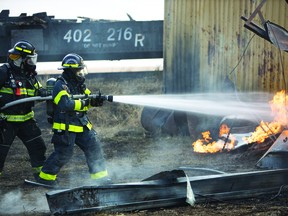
(163, 193)
(276, 157)
(270, 31)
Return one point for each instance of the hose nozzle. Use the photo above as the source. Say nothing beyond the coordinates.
(109, 98)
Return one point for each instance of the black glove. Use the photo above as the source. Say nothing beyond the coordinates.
(96, 102)
(85, 102)
(43, 92)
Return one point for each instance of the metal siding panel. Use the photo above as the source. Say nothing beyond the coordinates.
(167, 47)
(206, 39)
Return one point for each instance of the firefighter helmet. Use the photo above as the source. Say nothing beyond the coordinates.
(74, 63)
(23, 53)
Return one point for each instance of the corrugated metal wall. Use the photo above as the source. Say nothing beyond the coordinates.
(205, 39)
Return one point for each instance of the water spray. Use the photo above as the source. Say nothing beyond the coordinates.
(217, 104)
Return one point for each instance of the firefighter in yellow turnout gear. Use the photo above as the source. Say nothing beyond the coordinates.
(71, 124)
(18, 81)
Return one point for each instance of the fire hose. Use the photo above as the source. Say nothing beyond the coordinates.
(39, 98)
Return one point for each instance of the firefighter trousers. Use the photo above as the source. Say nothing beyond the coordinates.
(64, 142)
(30, 134)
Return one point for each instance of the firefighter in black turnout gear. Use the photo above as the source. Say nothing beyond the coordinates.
(18, 81)
(71, 124)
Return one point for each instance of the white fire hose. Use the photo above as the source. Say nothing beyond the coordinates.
(25, 100)
(39, 98)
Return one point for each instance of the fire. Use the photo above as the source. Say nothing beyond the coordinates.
(278, 106)
(224, 129)
(263, 131)
(204, 145)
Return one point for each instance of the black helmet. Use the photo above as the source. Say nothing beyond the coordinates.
(23, 55)
(74, 63)
(23, 48)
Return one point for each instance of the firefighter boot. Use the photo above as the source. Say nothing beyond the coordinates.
(100, 181)
(49, 183)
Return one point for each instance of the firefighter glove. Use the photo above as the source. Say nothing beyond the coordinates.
(85, 102)
(96, 102)
(43, 92)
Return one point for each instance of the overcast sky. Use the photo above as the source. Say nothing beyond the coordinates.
(96, 9)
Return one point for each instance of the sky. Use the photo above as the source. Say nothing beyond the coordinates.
(139, 10)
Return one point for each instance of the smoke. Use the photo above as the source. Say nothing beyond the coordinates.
(17, 202)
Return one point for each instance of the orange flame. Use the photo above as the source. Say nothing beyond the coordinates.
(208, 147)
(278, 106)
(203, 145)
(224, 129)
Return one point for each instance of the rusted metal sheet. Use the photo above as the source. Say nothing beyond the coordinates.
(204, 40)
(166, 191)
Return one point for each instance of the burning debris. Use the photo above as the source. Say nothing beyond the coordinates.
(229, 141)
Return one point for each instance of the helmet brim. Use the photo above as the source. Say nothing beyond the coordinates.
(14, 51)
(62, 68)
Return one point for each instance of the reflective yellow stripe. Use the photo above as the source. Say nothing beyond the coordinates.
(23, 91)
(87, 91)
(89, 126)
(37, 85)
(59, 95)
(31, 92)
(72, 128)
(47, 177)
(19, 118)
(71, 65)
(6, 90)
(24, 50)
(77, 105)
(37, 169)
(99, 175)
(85, 108)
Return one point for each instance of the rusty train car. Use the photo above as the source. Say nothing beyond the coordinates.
(92, 39)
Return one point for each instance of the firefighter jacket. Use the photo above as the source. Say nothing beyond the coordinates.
(14, 85)
(69, 114)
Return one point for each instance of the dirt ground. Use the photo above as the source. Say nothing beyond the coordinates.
(133, 156)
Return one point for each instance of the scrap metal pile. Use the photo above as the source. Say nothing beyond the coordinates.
(167, 189)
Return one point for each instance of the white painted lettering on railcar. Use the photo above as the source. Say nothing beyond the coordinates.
(113, 35)
(139, 38)
(78, 35)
